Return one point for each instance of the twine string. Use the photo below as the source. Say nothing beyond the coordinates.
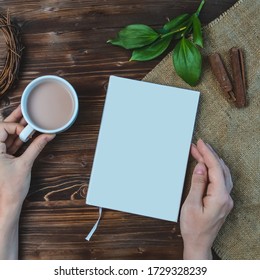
(9, 73)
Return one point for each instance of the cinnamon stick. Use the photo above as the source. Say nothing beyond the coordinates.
(239, 81)
(221, 74)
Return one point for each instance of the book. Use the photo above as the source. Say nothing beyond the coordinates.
(143, 148)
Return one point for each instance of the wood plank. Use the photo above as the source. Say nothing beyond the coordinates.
(68, 38)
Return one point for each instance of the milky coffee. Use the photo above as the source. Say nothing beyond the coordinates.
(50, 105)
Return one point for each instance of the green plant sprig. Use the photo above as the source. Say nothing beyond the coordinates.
(147, 43)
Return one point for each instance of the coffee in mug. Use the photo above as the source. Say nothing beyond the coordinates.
(49, 105)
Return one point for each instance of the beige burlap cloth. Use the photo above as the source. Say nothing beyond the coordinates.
(234, 133)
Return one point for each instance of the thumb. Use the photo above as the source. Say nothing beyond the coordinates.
(36, 147)
(198, 184)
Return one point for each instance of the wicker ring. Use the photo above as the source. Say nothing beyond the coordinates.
(14, 52)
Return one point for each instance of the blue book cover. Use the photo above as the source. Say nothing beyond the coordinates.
(143, 148)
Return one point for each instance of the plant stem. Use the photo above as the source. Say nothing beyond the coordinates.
(173, 32)
(187, 29)
(200, 7)
(195, 14)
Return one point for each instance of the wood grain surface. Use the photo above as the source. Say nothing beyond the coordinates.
(68, 38)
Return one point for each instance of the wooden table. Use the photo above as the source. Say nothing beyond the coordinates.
(68, 38)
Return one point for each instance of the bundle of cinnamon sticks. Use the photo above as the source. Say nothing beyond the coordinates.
(235, 91)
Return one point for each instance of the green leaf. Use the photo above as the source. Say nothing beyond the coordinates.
(187, 61)
(151, 51)
(135, 36)
(197, 34)
(176, 23)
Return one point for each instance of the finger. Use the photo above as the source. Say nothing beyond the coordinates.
(11, 139)
(195, 153)
(213, 151)
(35, 148)
(5, 130)
(198, 184)
(212, 162)
(9, 128)
(228, 177)
(13, 144)
(15, 116)
(17, 143)
(2, 148)
(23, 122)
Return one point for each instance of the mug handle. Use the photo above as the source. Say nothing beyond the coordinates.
(26, 133)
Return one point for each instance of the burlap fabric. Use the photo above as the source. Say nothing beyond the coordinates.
(234, 133)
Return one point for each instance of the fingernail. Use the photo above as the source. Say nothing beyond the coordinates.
(200, 169)
(50, 137)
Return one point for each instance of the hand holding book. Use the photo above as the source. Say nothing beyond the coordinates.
(207, 204)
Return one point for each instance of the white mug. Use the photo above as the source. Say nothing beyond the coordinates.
(31, 127)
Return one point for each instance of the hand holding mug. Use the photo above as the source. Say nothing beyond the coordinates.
(15, 176)
(49, 105)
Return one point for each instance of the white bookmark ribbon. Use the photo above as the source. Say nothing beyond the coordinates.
(95, 225)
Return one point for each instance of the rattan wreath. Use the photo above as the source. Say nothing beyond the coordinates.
(14, 47)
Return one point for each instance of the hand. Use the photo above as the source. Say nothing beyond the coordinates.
(15, 177)
(207, 204)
